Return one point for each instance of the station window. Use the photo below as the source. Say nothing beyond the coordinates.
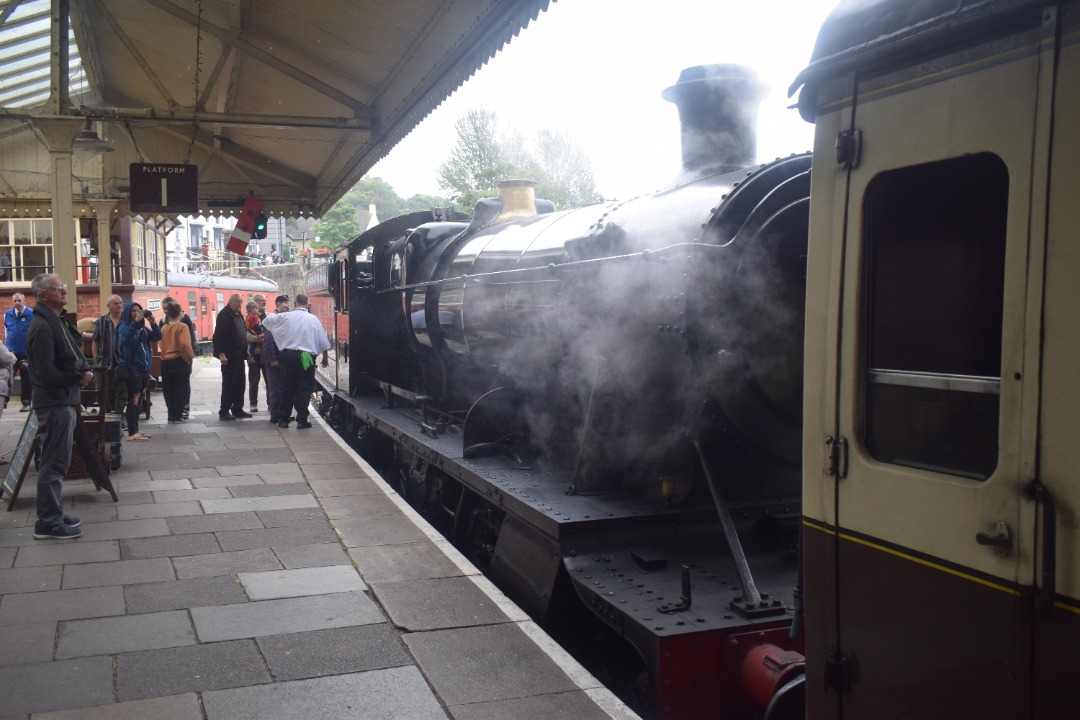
(935, 277)
(25, 249)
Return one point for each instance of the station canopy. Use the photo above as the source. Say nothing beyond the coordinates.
(291, 101)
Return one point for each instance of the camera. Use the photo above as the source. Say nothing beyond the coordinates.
(147, 315)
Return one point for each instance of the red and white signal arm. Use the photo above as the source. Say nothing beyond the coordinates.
(241, 234)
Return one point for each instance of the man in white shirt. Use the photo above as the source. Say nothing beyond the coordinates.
(299, 337)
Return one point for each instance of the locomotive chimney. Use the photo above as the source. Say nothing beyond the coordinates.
(718, 108)
(518, 199)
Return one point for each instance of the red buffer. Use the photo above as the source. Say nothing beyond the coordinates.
(241, 234)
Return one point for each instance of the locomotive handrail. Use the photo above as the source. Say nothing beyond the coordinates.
(643, 255)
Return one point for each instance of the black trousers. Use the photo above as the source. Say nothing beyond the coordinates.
(299, 383)
(176, 385)
(27, 385)
(232, 385)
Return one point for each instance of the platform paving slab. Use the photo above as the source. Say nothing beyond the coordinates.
(216, 481)
(255, 504)
(480, 664)
(335, 471)
(55, 685)
(333, 652)
(24, 644)
(169, 546)
(378, 531)
(156, 485)
(225, 563)
(68, 553)
(263, 468)
(376, 695)
(432, 604)
(126, 497)
(16, 536)
(159, 510)
(183, 473)
(174, 707)
(315, 555)
(126, 633)
(181, 594)
(165, 496)
(280, 617)
(214, 523)
(15, 518)
(30, 579)
(17, 608)
(299, 582)
(125, 528)
(296, 516)
(345, 486)
(311, 532)
(264, 490)
(359, 507)
(118, 572)
(7, 557)
(193, 668)
(90, 511)
(407, 561)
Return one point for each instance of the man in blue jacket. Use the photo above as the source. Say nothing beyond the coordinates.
(60, 371)
(16, 323)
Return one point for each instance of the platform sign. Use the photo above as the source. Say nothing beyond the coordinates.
(20, 460)
(164, 188)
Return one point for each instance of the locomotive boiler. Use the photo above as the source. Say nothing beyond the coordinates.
(602, 406)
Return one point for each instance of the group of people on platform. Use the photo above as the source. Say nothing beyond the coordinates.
(280, 347)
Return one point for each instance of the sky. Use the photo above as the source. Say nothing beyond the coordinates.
(594, 69)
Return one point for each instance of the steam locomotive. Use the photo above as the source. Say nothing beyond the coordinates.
(683, 414)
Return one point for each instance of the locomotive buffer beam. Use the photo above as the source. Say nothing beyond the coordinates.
(751, 603)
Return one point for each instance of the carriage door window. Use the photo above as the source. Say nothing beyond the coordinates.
(193, 309)
(935, 275)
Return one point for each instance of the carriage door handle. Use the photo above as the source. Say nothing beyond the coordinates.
(1000, 539)
(1044, 597)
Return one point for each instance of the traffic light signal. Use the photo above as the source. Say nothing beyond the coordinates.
(260, 228)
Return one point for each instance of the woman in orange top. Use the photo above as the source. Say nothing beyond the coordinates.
(176, 357)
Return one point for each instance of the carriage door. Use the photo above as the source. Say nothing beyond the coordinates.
(937, 394)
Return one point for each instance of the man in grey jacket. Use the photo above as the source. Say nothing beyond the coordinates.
(60, 371)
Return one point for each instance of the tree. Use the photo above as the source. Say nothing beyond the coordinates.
(341, 223)
(482, 157)
(565, 171)
(338, 225)
(477, 163)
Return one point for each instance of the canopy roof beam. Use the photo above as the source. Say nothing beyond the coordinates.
(230, 39)
(182, 117)
(135, 54)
